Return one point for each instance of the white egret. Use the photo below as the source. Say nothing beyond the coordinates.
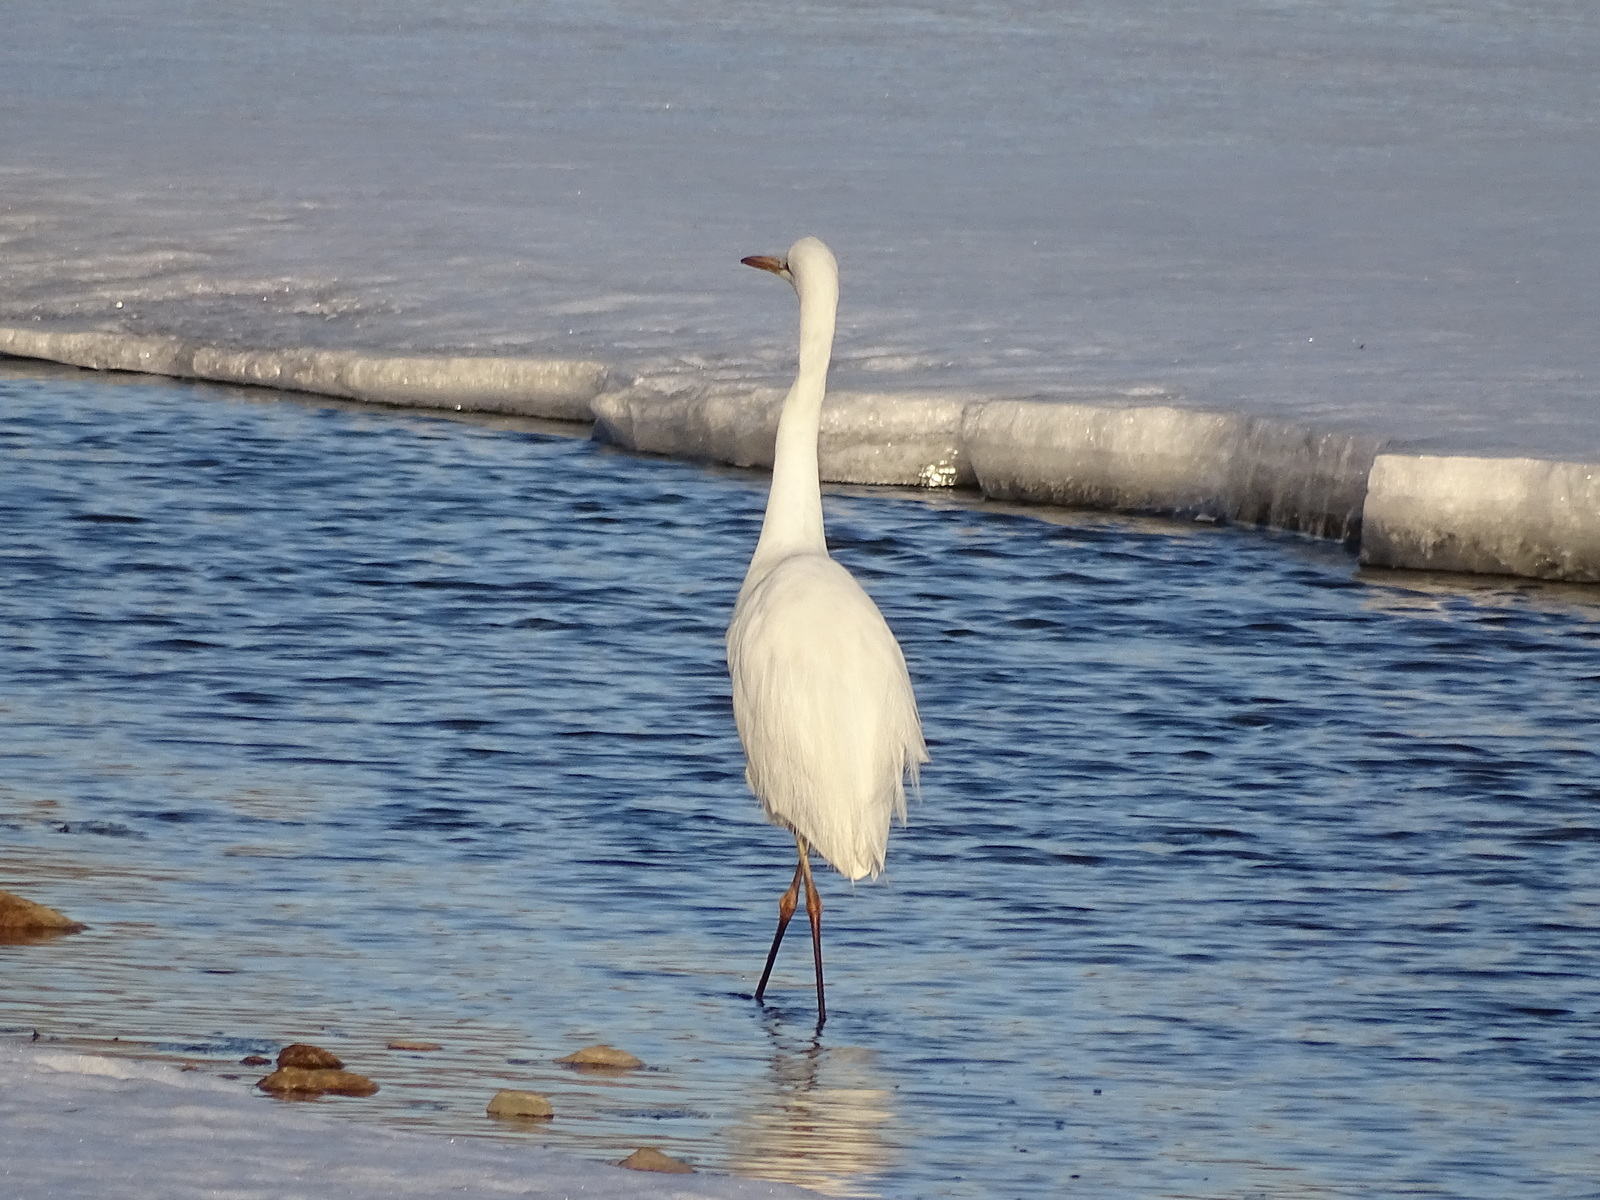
(820, 691)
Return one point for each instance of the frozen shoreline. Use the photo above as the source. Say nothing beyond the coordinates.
(1509, 516)
(558, 389)
(1303, 237)
(74, 1124)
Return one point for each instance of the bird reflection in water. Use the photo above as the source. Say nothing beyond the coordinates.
(822, 1120)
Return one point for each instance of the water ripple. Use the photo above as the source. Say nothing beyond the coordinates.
(1234, 873)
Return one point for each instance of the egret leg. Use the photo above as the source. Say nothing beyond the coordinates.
(814, 911)
(786, 904)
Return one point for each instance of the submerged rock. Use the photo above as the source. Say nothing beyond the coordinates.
(24, 916)
(307, 1070)
(314, 1058)
(304, 1081)
(648, 1158)
(408, 1044)
(605, 1057)
(510, 1103)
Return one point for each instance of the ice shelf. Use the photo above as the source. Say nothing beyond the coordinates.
(907, 438)
(1170, 461)
(556, 389)
(1512, 516)
(1501, 516)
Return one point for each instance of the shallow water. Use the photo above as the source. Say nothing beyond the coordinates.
(1235, 872)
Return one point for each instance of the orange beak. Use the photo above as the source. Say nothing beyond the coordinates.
(765, 262)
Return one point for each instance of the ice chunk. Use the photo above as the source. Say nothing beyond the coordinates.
(1504, 516)
(736, 426)
(1170, 461)
(556, 389)
(1155, 459)
(1288, 476)
(909, 438)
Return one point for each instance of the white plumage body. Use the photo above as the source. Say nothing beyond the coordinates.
(824, 708)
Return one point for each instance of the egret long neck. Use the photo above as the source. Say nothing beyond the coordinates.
(793, 523)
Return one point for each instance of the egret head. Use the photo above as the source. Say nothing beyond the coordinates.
(807, 258)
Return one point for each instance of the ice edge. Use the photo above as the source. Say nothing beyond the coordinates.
(1495, 516)
(1508, 516)
(556, 389)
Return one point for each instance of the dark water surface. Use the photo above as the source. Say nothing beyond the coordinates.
(1236, 874)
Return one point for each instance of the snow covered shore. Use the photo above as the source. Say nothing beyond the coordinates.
(78, 1125)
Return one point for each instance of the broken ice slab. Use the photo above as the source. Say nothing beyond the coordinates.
(907, 438)
(1170, 461)
(554, 389)
(1499, 516)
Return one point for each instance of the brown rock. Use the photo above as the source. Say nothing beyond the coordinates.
(24, 916)
(403, 1044)
(605, 1057)
(648, 1158)
(509, 1102)
(305, 1081)
(312, 1058)
(254, 1060)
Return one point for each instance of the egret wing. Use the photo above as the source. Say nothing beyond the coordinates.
(825, 710)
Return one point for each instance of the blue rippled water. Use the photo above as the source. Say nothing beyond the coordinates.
(1236, 873)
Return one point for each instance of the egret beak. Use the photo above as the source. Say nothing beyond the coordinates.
(766, 262)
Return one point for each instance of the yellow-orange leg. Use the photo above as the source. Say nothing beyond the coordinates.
(786, 904)
(814, 911)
